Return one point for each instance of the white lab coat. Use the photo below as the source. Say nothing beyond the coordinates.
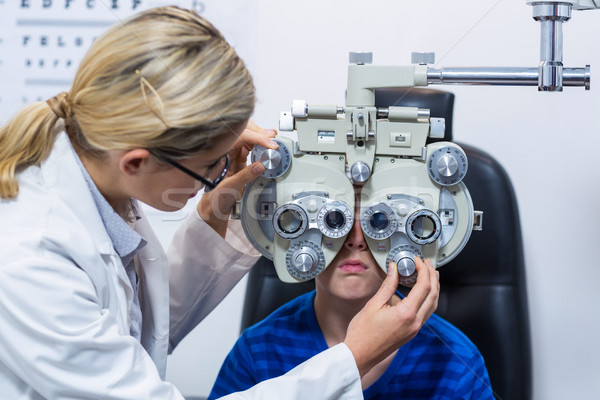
(65, 300)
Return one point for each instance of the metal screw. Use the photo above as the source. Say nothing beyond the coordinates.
(326, 158)
(393, 160)
(341, 158)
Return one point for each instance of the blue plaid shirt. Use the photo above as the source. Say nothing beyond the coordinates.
(439, 363)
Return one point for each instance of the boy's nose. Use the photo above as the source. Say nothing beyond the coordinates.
(355, 239)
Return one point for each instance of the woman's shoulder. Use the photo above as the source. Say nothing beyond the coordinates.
(25, 218)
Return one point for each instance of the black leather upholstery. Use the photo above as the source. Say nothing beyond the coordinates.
(483, 289)
(265, 292)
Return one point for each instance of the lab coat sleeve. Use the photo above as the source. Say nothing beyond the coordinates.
(204, 268)
(332, 374)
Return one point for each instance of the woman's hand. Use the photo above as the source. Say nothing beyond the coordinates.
(380, 328)
(215, 206)
(253, 135)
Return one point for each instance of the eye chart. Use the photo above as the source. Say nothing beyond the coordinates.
(43, 41)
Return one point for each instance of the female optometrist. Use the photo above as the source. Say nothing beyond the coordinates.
(89, 305)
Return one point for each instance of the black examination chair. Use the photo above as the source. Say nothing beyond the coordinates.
(483, 289)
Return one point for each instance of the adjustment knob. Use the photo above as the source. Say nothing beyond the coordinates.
(360, 172)
(405, 260)
(276, 162)
(446, 163)
(270, 158)
(304, 259)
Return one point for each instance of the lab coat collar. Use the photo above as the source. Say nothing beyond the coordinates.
(124, 238)
(63, 175)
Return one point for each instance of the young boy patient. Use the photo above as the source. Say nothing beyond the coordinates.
(440, 362)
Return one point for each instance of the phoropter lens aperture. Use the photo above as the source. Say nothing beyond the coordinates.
(335, 219)
(290, 221)
(379, 221)
(423, 227)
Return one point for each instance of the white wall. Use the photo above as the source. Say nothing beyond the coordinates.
(548, 142)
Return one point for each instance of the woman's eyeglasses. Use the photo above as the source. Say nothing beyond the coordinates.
(209, 184)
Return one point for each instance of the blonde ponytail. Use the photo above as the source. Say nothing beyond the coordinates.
(26, 140)
(165, 79)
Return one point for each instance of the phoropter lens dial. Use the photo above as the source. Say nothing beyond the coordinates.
(378, 221)
(290, 221)
(335, 219)
(447, 165)
(404, 258)
(276, 162)
(305, 260)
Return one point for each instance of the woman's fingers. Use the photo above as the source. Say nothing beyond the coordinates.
(422, 299)
(252, 136)
(387, 288)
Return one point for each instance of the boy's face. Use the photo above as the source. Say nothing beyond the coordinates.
(353, 274)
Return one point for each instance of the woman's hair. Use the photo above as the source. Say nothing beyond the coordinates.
(165, 80)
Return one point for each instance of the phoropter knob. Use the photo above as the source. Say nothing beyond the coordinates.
(405, 260)
(447, 165)
(276, 161)
(404, 257)
(304, 260)
(360, 172)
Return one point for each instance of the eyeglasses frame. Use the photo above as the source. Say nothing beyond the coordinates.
(209, 184)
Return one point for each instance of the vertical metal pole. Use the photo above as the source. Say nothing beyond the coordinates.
(551, 16)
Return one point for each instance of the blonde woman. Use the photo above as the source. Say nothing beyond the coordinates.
(89, 305)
